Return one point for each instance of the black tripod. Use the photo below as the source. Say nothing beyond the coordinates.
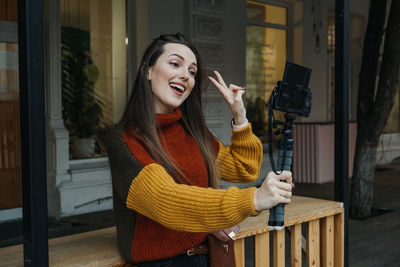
(277, 213)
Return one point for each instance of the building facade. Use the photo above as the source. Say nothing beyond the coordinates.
(247, 41)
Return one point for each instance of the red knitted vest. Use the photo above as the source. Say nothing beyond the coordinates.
(153, 241)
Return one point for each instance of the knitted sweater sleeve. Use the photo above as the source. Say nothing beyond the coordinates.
(240, 161)
(181, 207)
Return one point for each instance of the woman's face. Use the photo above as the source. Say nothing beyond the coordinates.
(172, 77)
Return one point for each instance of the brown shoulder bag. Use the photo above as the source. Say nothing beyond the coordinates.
(220, 247)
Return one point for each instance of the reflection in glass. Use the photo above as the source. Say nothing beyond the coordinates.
(266, 13)
(94, 68)
(265, 63)
(10, 144)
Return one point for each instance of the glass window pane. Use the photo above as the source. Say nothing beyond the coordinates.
(255, 11)
(93, 35)
(276, 14)
(266, 13)
(10, 141)
(265, 60)
(9, 79)
(265, 64)
(9, 10)
(274, 57)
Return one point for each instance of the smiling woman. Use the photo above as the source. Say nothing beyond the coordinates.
(166, 164)
(172, 77)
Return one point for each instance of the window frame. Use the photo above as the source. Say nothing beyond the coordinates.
(9, 34)
(288, 27)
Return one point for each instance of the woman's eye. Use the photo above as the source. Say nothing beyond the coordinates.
(174, 64)
(192, 72)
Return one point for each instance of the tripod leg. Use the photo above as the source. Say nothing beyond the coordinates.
(272, 219)
(276, 219)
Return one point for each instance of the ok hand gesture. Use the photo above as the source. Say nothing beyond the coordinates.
(233, 96)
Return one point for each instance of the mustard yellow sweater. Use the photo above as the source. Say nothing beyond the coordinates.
(170, 218)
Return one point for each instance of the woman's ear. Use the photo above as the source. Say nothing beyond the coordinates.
(148, 74)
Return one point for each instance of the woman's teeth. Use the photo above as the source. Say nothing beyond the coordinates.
(178, 87)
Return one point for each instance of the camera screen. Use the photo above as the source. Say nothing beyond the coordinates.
(291, 99)
(293, 94)
(296, 76)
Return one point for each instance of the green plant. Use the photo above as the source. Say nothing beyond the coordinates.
(82, 110)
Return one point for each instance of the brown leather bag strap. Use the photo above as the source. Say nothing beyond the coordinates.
(227, 234)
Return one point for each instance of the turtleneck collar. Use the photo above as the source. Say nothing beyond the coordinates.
(164, 119)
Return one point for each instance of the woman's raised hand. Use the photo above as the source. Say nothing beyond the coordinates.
(233, 96)
(274, 190)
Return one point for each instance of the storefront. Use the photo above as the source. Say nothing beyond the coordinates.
(109, 37)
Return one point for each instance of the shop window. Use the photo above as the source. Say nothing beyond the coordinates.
(94, 67)
(10, 141)
(10, 138)
(357, 30)
(266, 54)
(8, 10)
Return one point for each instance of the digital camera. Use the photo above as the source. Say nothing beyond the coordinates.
(292, 93)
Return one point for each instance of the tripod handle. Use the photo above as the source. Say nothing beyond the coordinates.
(277, 214)
(288, 154)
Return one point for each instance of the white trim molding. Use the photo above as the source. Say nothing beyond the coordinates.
(10, 215)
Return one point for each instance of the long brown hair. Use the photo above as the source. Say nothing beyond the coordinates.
(140, 113)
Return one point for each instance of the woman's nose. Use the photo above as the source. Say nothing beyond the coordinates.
(184, 74)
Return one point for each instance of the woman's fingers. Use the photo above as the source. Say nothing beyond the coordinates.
(285, 200)
(274, 191)
(232, 95)
(238, 95)
(236, 88)
(285, 176)
(221, 85)
(220, 88)
(215, 82)
(237, 91)
(284, 193)
(284, 186)
(220, 80)
(227, 93)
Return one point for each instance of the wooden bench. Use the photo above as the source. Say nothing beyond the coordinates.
(90, 249)
(324, 240)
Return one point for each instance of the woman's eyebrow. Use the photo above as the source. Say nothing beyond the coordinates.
(181, 57)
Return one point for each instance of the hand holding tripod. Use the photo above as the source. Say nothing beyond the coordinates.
(291, 96)
(285, 152)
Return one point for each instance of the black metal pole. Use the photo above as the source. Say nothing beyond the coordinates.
(342, 113)
(33, 140)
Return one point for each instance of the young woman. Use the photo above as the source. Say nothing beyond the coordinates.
(166, 196)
